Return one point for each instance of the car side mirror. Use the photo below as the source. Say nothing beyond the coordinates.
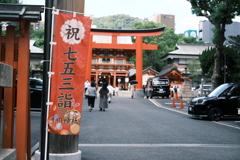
(228, 95)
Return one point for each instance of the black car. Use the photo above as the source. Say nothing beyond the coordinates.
(222, 101)
(160, 87)
(36, 86)
(35, 93)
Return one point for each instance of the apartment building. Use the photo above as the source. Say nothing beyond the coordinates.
(206, 33)
(166, 19)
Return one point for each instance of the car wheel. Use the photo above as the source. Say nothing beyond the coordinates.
(215, 114)
(151, 97)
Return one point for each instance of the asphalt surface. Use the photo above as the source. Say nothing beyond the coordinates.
(151, 129)
(140, 129)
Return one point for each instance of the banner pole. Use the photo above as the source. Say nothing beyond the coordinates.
(49, 79)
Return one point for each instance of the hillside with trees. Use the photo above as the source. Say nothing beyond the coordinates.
(166, 42)
(119, 21)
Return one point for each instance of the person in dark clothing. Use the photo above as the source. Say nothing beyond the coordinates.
(103, 97)
(92, 93)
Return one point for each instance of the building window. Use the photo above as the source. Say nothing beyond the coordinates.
(106, 52)
(182, 61)
(186, 60)
(119, 61)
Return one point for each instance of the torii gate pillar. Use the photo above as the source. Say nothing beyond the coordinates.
(138, 46)
(139, 64)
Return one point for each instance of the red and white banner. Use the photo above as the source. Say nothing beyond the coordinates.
(69, 67)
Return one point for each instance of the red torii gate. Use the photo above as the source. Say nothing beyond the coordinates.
(138, 46)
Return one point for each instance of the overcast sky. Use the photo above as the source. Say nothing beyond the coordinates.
(184, 19)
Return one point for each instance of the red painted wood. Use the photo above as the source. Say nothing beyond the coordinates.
(22, 113)
(8, 117)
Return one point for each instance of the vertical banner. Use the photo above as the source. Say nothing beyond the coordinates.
(69, 67)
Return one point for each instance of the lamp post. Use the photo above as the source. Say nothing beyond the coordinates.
(119, 80)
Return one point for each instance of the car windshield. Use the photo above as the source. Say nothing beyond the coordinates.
(36, 83)
(206, 87)
(219, 90)
(157, 81)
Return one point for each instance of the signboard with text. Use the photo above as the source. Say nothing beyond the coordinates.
(69, 67)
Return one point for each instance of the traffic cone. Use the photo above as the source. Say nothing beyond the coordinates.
(181, 103)
(173, 102)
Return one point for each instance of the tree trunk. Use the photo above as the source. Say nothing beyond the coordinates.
(220, 29)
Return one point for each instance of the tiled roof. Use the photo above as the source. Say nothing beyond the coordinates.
(150, 68)
(190, 49)
(168, 69)
(16, 12)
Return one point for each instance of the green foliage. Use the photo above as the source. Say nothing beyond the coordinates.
(38, 36)
(9, 1)
(232, 63)
(194, 68)
(39, 65)
(206, 59)
(119, 21)
(219, 13)
(192, 40)
(166, 42)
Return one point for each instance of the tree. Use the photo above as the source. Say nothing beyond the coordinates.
(9, 1)
(194, 67)
(38, 36)
(166, 42)
(219, 13)
(232, 63)
(119, 21)
(182, 40)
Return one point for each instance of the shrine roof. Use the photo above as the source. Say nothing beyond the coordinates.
(168, 69)
(128, 30)
(190, 49)
(150, 68)
(16, 12)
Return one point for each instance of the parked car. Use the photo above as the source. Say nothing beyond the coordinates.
(222, 101)
(206, 89)
(36, 86)
(35, 93)
(160, 87)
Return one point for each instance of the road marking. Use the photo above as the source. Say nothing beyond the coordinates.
(174, 110)
(161, 145)
(176, 103)
(226, 124)
(159, 105)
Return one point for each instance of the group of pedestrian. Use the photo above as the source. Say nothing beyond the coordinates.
(105, 95)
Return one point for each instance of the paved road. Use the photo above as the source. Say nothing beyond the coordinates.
(140, 129)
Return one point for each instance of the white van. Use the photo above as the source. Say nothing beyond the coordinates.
(206, 89)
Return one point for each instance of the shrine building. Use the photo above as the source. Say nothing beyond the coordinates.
(109, 52)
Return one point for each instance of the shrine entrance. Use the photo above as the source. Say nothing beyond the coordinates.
(108, 61)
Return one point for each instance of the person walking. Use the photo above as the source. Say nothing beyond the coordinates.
(86, 85)
(148, 90)
(116, 91)
(103, 97)
(110, 88)
(132, 89)
(92, 93)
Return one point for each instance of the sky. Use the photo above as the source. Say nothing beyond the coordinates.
(184, 19)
